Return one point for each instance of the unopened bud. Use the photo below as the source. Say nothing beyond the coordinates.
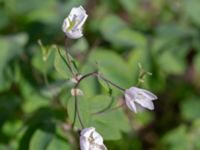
(76, 92)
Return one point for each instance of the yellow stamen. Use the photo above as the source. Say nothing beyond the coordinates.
(71, 24)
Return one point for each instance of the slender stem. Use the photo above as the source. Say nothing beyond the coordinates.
(71, 63)
(85, 76)
(77, 110)
(110, 82)
(75, 114)
(108, 110)
(95, 73)
(69, 67)
(76, 100)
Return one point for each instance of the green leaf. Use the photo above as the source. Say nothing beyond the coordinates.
(40, 140)
(129, 5)
(118, 33)
(178, 31)
(143, 118)
(40, 64)
(34, 101)
(80, 46)
(111, 68)
(4, 147)
(192, 10)
(137, 56)
(11, 47)
(11, 128)
(99, 102)
(183, 137)
(4, 19)
(105, 85)
(176, 139)
(53, 89)
(45, 12)
(23, 6)
(194, 135)
(111, 124)
(170, 63)
(89, 84)
(58, 144)
(107, 123)
(190, 109)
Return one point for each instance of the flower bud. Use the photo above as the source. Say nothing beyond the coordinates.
(76, 92)
(91, 140)
(135, 96)
(72, 25)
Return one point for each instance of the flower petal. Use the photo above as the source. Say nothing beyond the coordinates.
(87, 131)
(130, 103)
(145, 103)
(81, 17)
(81, 22)
(65, 25)
(78, 11)
(84, 143)
(97, 138)
(103, 147)
(74, 34)
(132, 91)
(149, 95)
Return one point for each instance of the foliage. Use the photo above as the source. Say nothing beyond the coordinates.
(36, 108)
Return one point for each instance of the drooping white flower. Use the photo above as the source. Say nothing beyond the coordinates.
(76, 92)
(76, 78)
(135, 96)
(91, 140)
(72, 25)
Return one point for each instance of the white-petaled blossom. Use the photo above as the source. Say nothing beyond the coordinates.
(76, 78)
(73, 24)
(135, 96)
(76, 92)
(91, 140)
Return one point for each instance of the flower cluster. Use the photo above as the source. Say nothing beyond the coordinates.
(135, 98)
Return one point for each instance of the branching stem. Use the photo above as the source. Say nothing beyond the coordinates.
(96, 74)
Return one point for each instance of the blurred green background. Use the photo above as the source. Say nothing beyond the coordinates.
(162, 35)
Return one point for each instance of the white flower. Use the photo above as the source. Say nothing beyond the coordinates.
(91, 140)
(76, 78)
(76, 92)
(135, 96)
(72, 25)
